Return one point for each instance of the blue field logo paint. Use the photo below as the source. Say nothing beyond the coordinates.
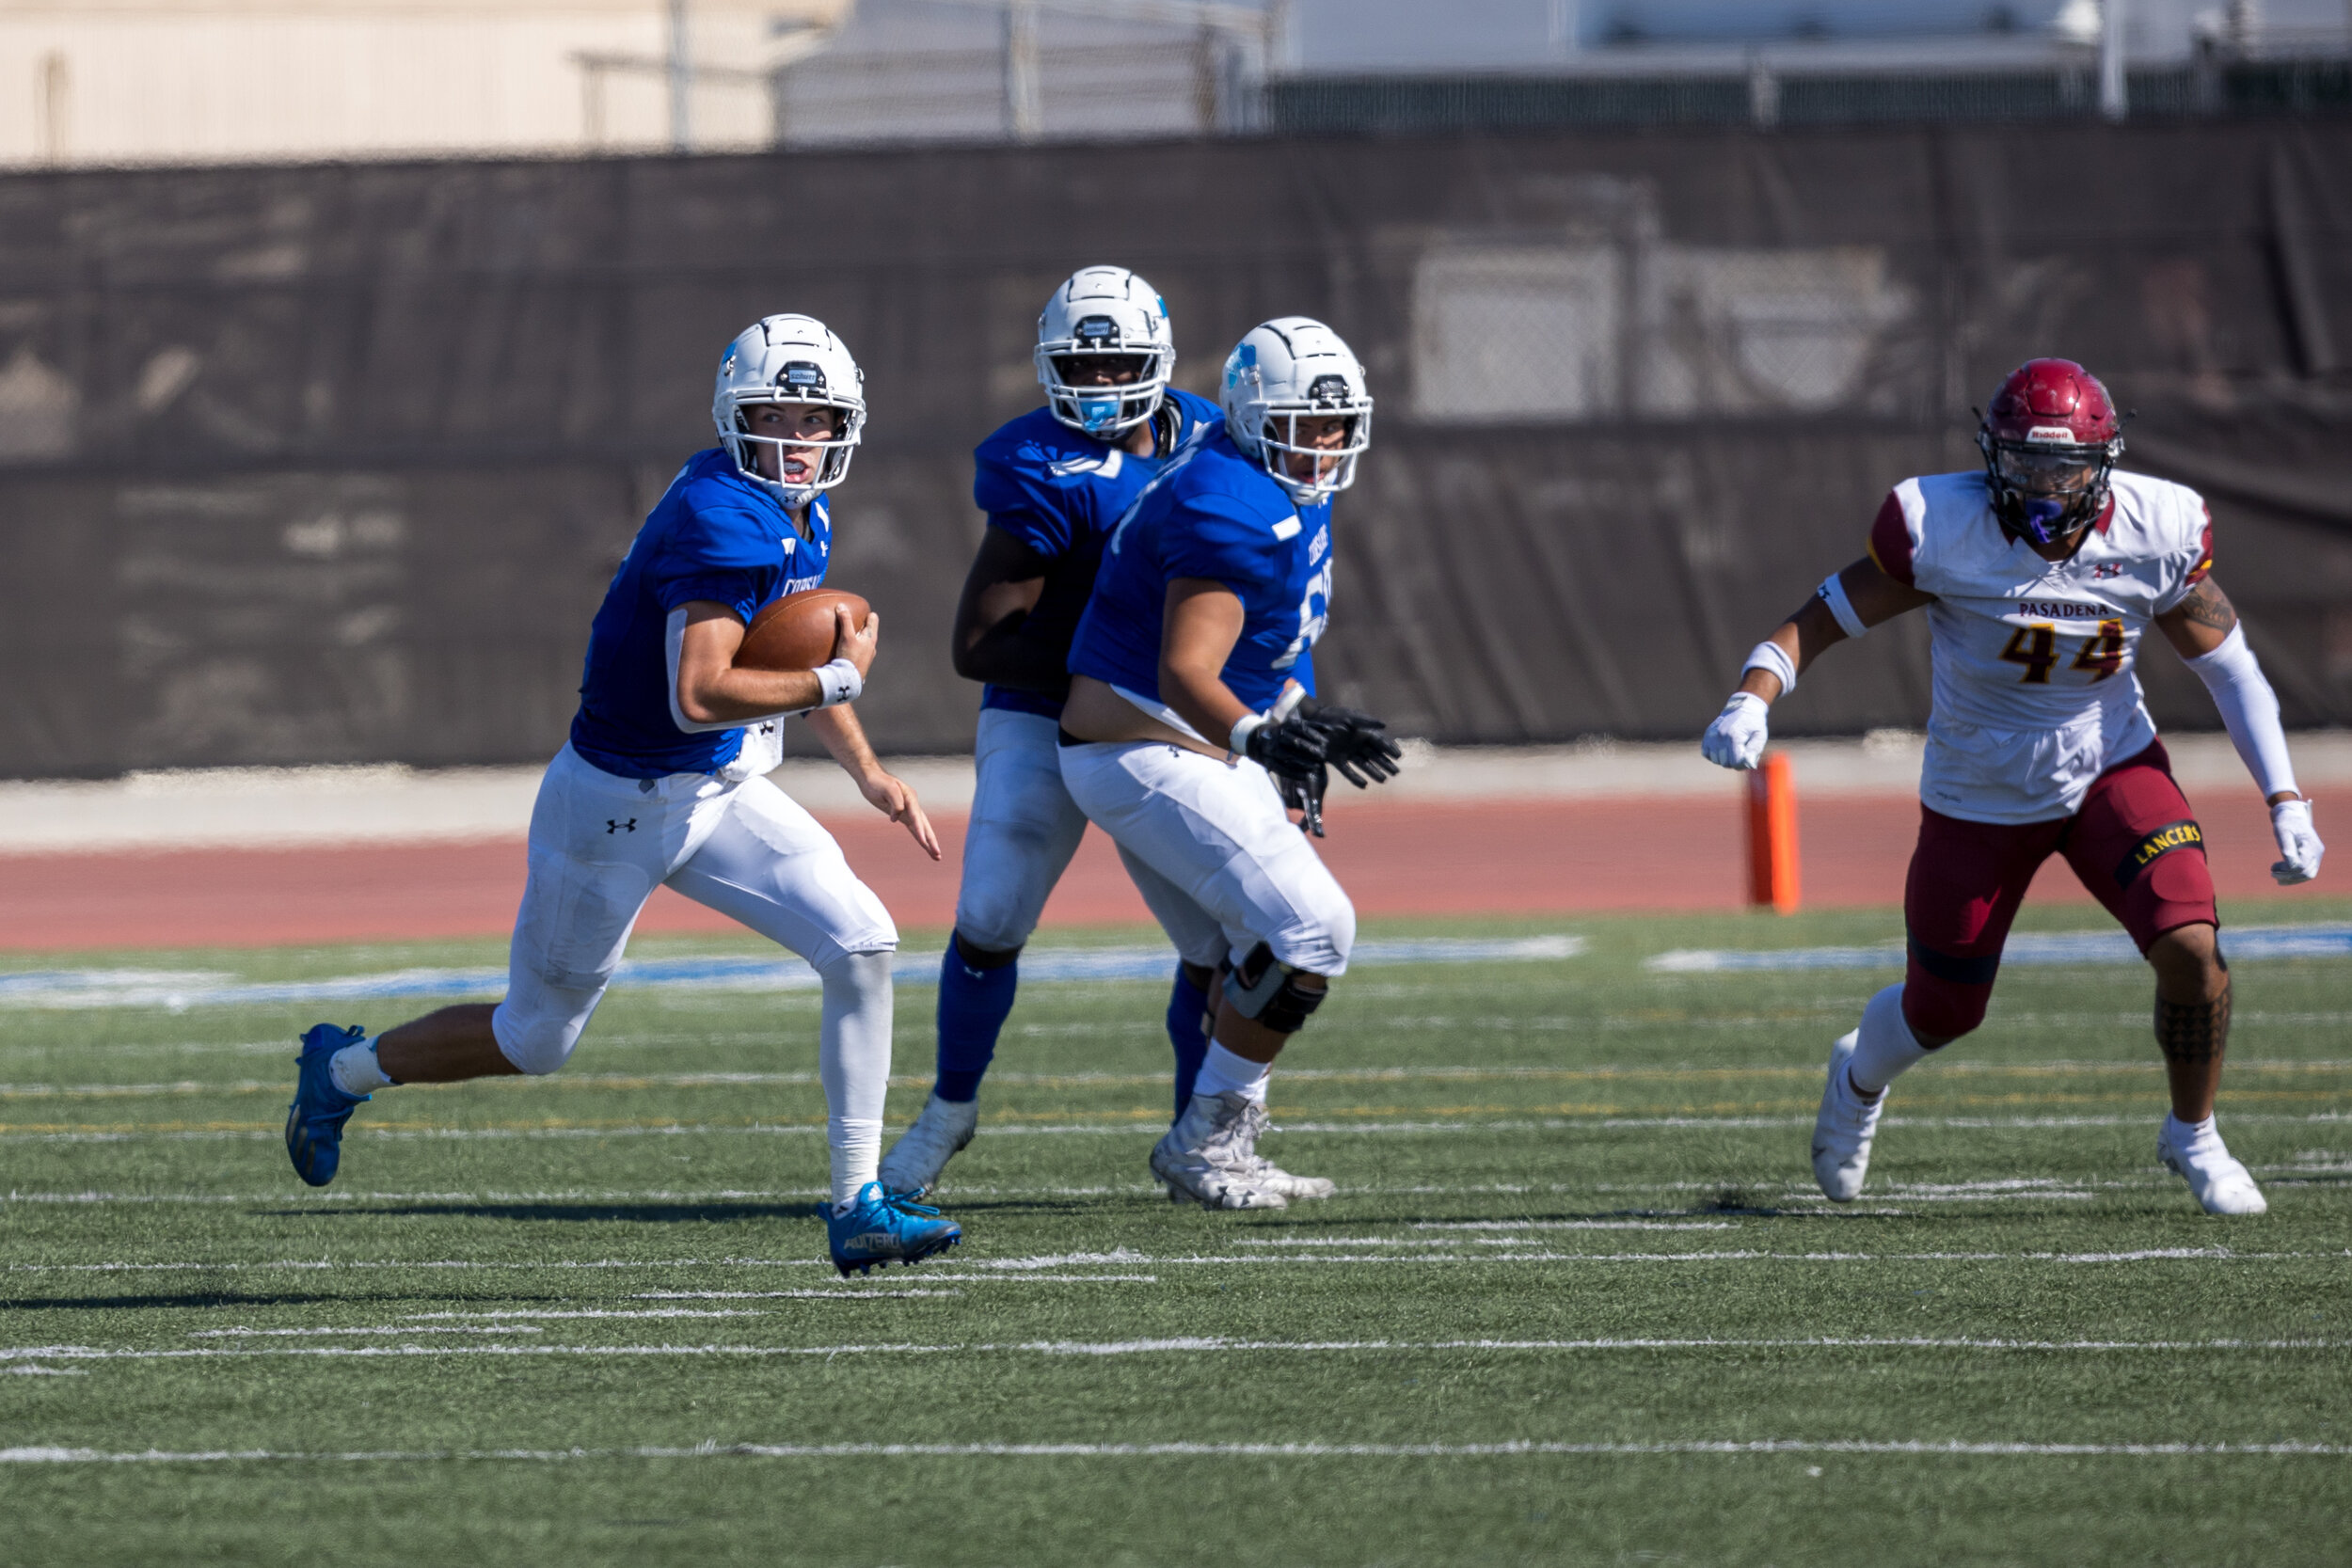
(180, 989)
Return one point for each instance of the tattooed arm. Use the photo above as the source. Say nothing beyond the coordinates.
(2199, 622)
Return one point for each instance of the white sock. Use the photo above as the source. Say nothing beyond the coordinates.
(1887, 1048)
(1223, 1072)
(853, 1061)
(2189, 1136)
(355, 1071)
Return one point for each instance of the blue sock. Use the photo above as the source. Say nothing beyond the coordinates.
(1186, 1003)
(973, 1006)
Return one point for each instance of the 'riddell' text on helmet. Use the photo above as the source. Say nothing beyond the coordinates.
(2050, 438)
(789, 359)
(1104, 318)
(1287, 370)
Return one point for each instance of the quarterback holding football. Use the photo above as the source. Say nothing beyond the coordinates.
(2039, 577)
(663, 782)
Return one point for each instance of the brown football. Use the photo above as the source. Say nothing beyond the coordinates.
(796, 631)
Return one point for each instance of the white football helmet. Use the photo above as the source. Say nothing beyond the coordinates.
(1101, 312)
(1289, 370)
(789, 359)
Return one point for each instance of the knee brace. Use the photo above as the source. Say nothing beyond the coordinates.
(2193, 1031)
(1269, 992)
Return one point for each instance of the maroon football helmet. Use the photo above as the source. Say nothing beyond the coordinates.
(2050, 438)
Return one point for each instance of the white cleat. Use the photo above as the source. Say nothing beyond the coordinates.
(1843, 1131)
(1271, 1176)
(2216, 1180)
(912, 1165)
(1205, 1157)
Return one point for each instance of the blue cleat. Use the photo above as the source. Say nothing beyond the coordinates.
(878, 1228)
(314, 1122)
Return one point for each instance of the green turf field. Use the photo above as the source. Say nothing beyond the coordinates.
(1577, 1301)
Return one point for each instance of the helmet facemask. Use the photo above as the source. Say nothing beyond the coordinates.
(1080, 400)
(1280, 442)
(800, 383)
(2050, 489)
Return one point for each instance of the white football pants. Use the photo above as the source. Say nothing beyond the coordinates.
(1214, 854)
(599, 844)
(1024, 831)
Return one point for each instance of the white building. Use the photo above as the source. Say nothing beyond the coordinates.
(148, 81)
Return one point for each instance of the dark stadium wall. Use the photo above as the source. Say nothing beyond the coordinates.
(331, 463)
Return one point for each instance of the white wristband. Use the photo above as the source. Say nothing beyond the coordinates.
(1244, 727)
(840, 682)
(1768, 654)
(1832, 593)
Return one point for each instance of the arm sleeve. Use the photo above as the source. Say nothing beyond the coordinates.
(720, 553)
(1890, 540)
(2250, 710)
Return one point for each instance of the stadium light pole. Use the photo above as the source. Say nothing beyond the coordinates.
(681, 82)
(1023, 110)
(2113, 99)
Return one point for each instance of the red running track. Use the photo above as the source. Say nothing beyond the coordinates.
(1510, 856)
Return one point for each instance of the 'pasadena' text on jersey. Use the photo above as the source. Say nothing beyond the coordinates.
(2035, 693)
(713, 535)
(1059, 491)
(1212, 513)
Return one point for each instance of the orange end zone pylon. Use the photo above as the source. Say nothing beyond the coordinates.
(1773, 835)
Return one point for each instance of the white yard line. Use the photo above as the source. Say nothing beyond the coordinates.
(1922, 1447)
(245, 1333)
(779, 1295)
(617, 1081)
(1038, 1270)
(1198, 1345)
(1143, 1126)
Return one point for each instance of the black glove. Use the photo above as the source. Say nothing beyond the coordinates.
(1292, 746)
(1354, 744)
(1303, 794)
(1291, 750)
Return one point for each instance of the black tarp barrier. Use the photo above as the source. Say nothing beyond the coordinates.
(331, 463)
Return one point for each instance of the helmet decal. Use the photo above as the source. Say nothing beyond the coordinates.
(1290, 370)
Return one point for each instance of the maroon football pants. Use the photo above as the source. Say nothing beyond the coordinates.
(2134, 843)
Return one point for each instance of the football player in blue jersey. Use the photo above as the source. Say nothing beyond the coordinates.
(1052, 483)
(1190, 728)
(664, 782)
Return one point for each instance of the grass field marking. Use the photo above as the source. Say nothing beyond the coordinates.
(578, 1312)
(1728, 1447)
(1572, 1225)
(1023, 1269)
(177, 991)
(843, 1294)
(28, 1369)
(630, 1082)
(246, 1333)
(1210, 1344)
(1129, 1124)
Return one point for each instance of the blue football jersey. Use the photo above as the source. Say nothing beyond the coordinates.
(1059, 491)
(1212, 513)
(713, 535)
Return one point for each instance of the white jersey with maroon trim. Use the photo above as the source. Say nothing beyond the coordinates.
(2035, 693)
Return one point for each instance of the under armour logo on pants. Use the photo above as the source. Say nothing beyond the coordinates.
(614, 825)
